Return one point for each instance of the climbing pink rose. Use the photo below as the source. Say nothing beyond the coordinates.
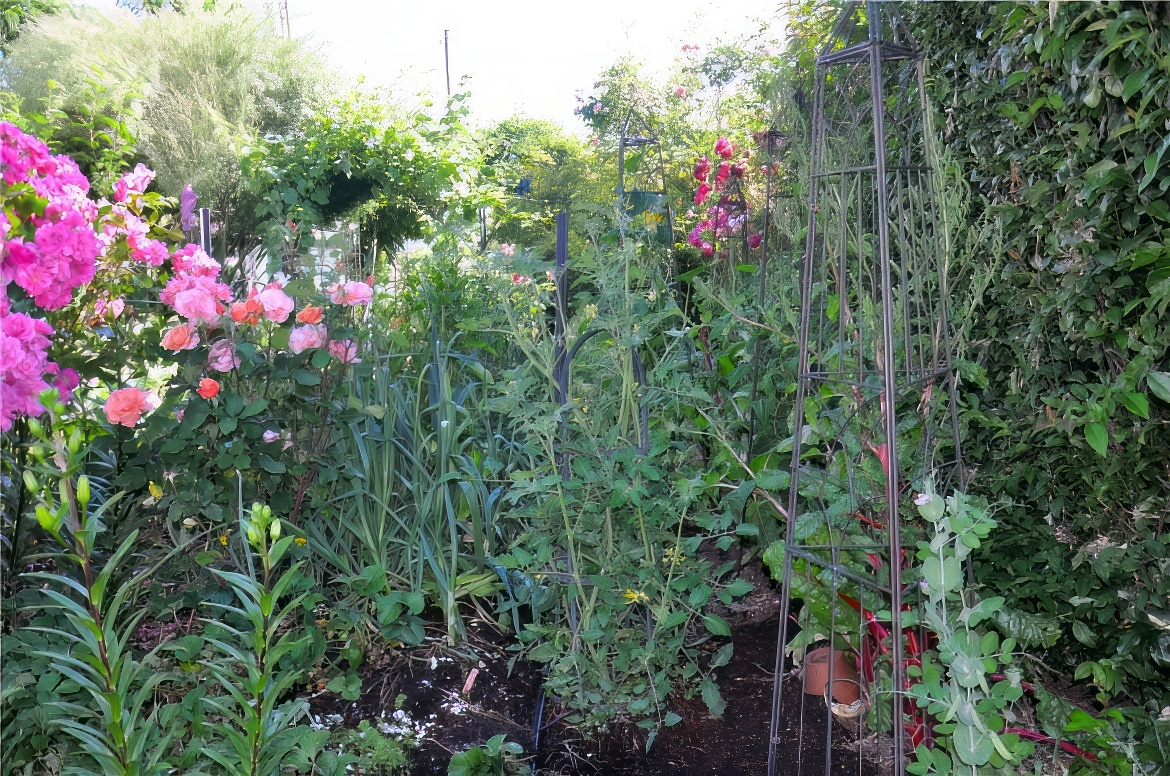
(222, 357)
(277, 304)
(134, 182)
(126, 405)
(183, 337)
(344, 351)
(302, 338)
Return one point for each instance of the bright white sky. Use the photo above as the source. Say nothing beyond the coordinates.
(518, 56)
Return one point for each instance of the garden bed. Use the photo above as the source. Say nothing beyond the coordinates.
(500, 701)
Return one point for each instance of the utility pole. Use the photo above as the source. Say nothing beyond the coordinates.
(446, 61)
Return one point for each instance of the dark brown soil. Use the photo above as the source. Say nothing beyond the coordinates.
(503, 701)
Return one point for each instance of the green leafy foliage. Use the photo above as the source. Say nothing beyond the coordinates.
(1058, 116)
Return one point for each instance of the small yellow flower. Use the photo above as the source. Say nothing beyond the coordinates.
(635, 596)
(654, 218)
(155, 490)
(300, 541)
(223, 540)
(670, 556)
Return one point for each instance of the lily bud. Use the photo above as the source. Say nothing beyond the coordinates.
(274, 529)
(83, 490)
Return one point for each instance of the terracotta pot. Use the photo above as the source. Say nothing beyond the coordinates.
(846, 682)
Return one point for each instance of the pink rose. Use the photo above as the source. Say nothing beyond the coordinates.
(126, 405)
(358, 293)
(222, 357)
(196, 304)
(344, 351)
(277, 304)
(302, 338)
(183, 337)
(134, 182)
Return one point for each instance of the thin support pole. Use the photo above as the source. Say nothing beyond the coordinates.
(205, 229)
(881, 216)
(447, 60)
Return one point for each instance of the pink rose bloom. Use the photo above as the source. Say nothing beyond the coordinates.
(755, 240)
(183, 337)
(507, 249)
(196, 304)
(134, 182)
(277, 304)
(344, 351)
(192, 260)
(358, 293)
(723, 148)
(302, 338)
(270, 436)
(680, 92)
(150, 252)
(222, 357)
(126, 405)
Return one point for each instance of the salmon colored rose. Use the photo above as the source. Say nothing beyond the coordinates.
(208, 388)
(126, 406)
(183, 337)
(309, 315)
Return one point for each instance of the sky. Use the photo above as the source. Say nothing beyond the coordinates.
(515, 56)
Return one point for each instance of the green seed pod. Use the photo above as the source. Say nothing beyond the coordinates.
(83, 490)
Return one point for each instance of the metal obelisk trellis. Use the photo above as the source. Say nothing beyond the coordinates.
(875, 419)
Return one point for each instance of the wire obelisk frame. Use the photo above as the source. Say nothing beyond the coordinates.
(875, 419)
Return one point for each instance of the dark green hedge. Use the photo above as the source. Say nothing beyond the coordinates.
(1060, 117)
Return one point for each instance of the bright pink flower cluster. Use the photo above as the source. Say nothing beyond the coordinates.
(727, 217)
(58, 248)
(24, 343)
(193, 291)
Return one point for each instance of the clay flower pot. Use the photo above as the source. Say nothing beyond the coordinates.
(846, 682)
